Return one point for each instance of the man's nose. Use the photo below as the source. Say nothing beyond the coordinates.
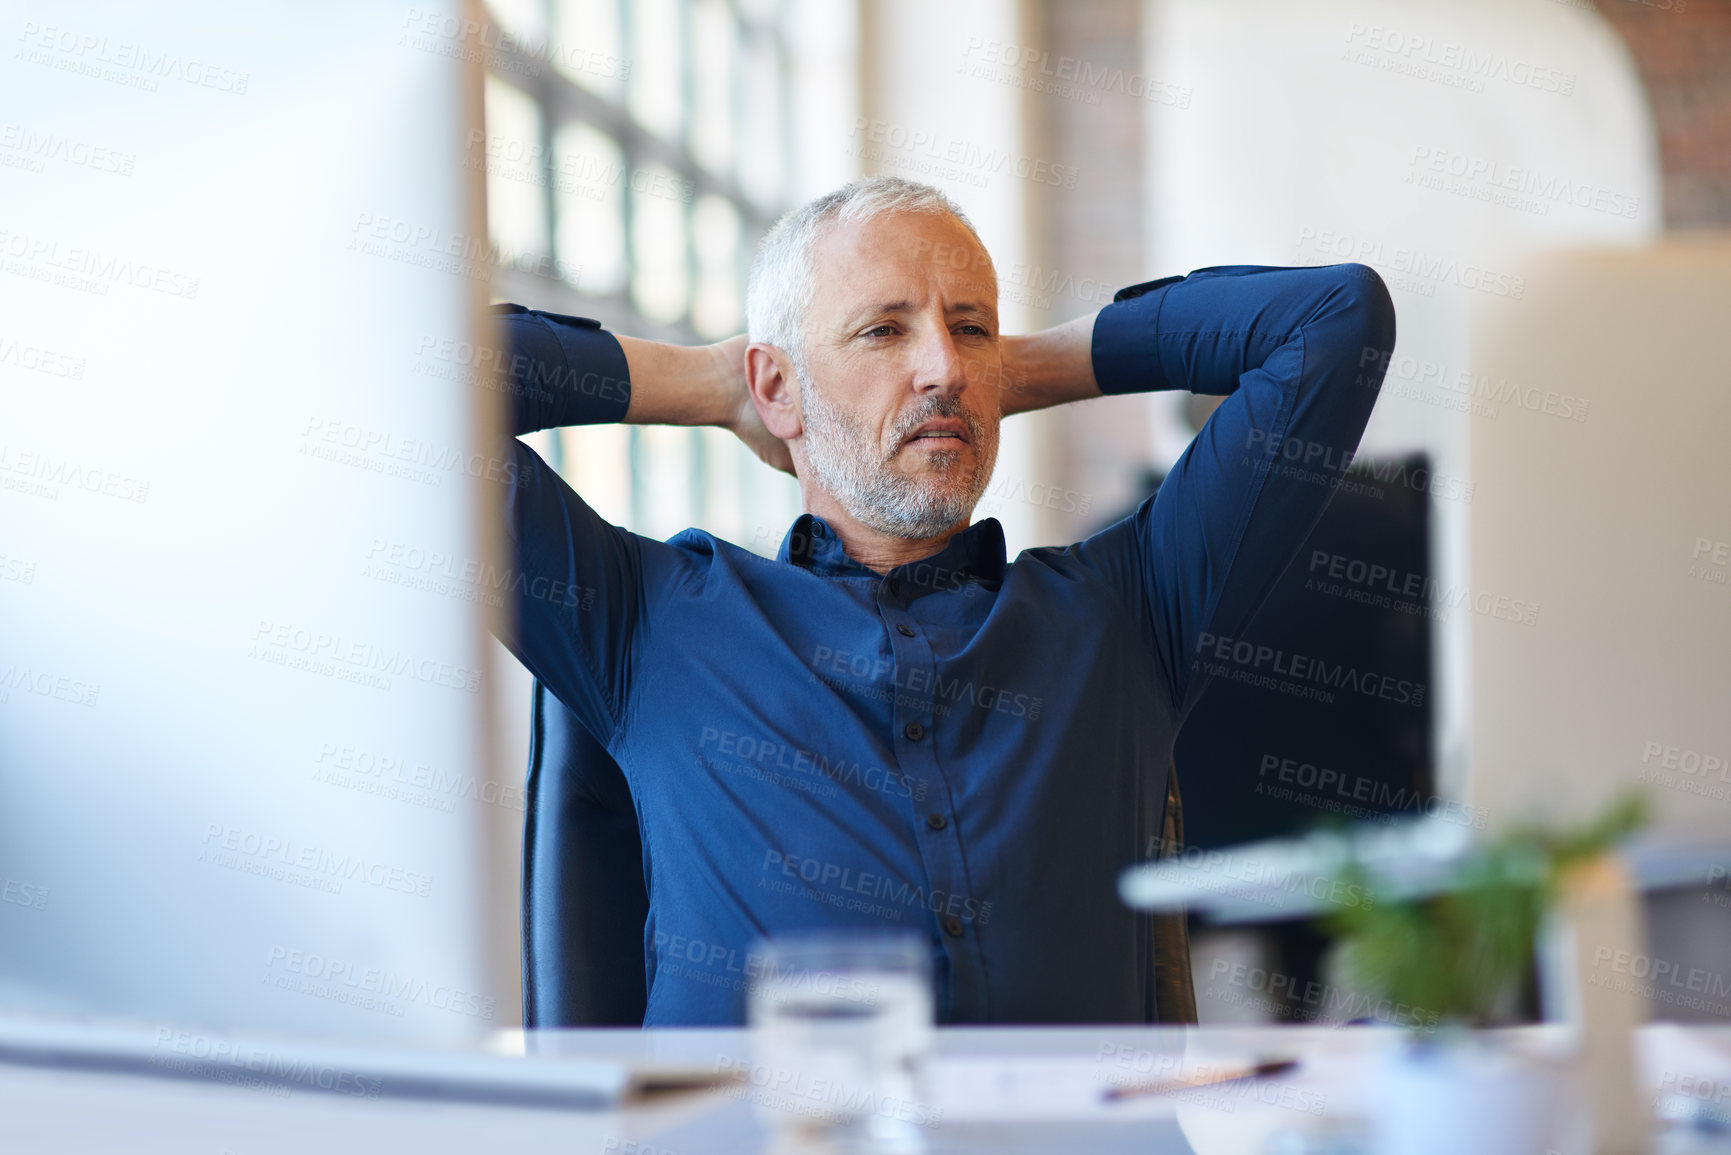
(938, 366)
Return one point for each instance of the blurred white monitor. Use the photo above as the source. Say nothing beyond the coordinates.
(243, 665)
(1598, 505)
(1600, 499)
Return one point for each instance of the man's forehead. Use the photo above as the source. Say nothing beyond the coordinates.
(897, 258)
(922, 240)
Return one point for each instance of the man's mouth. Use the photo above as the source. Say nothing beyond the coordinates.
(945, 433)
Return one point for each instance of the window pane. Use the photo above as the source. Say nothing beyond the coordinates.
(589, 190)
(771, 502)
(706, 77)
(714, 53)
(760, 159)
(588, 47)
(598, 465)
(762, 11)
(516, 210)
(724, 465)
(657, 66)
(521, 20)
(660, 283)
(664, 477)
(716, 308)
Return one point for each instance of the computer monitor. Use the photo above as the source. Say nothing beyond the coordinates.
(1600, 499)
(244, 670)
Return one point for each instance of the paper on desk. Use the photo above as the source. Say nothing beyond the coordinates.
(1687, 1060)
(1024, 1088)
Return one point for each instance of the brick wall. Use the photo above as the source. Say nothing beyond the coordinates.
(1096, 229)
(1683, 51)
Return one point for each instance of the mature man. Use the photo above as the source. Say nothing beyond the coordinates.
(889, 723)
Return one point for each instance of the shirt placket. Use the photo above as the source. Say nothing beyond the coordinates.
(914, 726)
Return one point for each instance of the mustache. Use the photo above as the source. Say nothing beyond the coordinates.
(939, 405)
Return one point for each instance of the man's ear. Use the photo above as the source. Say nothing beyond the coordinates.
(774, 390)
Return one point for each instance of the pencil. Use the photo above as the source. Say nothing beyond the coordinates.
(1190, 1082)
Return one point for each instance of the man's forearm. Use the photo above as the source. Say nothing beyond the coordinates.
(1049, 368)
(683, 384)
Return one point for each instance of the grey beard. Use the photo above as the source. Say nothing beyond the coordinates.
(843, 462)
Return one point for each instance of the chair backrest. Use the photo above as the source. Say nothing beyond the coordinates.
(1174, 986)
(584, 898)
(585, 901)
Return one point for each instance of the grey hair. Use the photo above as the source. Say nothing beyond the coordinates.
(782, 282)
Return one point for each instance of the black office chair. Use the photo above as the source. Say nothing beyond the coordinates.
(585, 898)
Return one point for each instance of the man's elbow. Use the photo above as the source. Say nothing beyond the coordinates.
(1366, 298)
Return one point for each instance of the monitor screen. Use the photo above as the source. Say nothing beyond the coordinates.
(244, 676)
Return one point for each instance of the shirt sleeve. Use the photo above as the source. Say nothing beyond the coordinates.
(573, 579)
(1299, 355)
(560, 370)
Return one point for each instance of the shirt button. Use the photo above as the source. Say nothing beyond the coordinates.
(914, 731)
(953, 926)
(904, 631)
(936, 821)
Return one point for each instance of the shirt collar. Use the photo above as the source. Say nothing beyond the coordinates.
(974, 554)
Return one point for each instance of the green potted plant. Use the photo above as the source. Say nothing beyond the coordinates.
(1461, 953)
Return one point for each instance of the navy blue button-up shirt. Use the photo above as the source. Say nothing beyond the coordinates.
(971, 747)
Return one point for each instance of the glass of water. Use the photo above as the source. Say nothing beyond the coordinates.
(841, 1024)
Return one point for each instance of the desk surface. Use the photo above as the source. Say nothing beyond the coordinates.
(50, 1110)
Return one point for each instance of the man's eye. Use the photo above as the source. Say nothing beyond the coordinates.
(975, 330)
(880, 331)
